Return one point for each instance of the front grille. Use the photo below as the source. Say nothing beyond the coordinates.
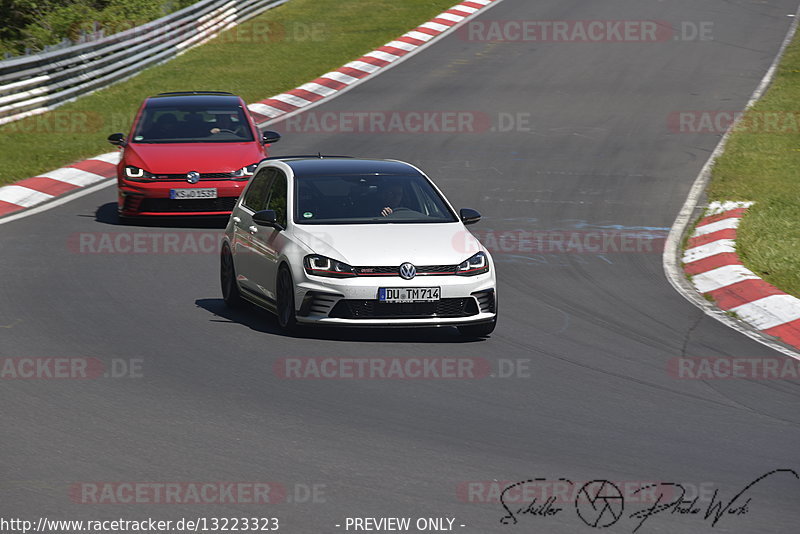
(437, 269)
(376, 271)
(373, 309)
(167, 205)
(203, 176)
(426, 270)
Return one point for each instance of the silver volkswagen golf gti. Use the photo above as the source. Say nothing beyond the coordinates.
(354, 242)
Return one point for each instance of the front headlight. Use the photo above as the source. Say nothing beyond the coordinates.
(245, 172)
(135, 174)
(477, 264)
(323, 266)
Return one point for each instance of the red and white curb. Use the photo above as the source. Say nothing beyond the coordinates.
(37, 190)
(716, 271)
(47, 186)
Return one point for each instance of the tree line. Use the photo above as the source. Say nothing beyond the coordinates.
(31, 25)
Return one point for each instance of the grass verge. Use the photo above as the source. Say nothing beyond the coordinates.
(274, 52)
(761, 163)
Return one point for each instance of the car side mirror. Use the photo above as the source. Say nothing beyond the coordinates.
(269, 136)
(117, 139)
(267, 218)
(469, 216)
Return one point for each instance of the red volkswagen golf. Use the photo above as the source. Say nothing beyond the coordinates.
(189, 153)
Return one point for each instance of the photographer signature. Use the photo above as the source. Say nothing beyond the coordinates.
(600, 503)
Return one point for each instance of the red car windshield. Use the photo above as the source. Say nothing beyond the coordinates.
(184, 124)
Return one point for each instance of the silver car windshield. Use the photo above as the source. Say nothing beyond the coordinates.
(368, 199)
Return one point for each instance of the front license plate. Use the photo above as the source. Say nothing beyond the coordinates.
(409, 294)
(183, 194)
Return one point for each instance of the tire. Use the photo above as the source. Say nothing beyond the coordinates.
(284, 309)
(227, 277)
(478, 330)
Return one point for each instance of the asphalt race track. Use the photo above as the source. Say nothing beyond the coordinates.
(590, 334)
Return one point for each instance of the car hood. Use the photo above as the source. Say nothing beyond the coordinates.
(176, 158)
(391, 244)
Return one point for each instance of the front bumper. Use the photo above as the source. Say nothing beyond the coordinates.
(153, 198)
(354, 301)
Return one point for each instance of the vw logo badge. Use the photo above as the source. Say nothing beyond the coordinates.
(193, 177)
(408, 271)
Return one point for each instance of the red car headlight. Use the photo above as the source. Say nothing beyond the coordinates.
(245, 172)
(135, 174)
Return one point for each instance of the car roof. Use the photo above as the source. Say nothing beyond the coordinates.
(194, 99)
(320, 166)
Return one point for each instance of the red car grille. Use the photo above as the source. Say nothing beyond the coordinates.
(166, 205)
(203, 176)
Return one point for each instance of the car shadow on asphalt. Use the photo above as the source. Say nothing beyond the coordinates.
(262, 321)
(107, 214)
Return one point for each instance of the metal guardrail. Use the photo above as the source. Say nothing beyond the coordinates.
(37, 83)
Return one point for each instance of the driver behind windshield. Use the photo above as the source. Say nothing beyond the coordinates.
(391, 197)
(225, 123)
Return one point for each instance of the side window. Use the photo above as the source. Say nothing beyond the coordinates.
(277, 197)
(256, 196)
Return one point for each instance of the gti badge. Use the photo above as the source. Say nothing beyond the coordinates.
(193, 177)
(407, 271)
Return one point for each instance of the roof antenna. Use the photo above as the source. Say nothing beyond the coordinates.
(319, 154)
